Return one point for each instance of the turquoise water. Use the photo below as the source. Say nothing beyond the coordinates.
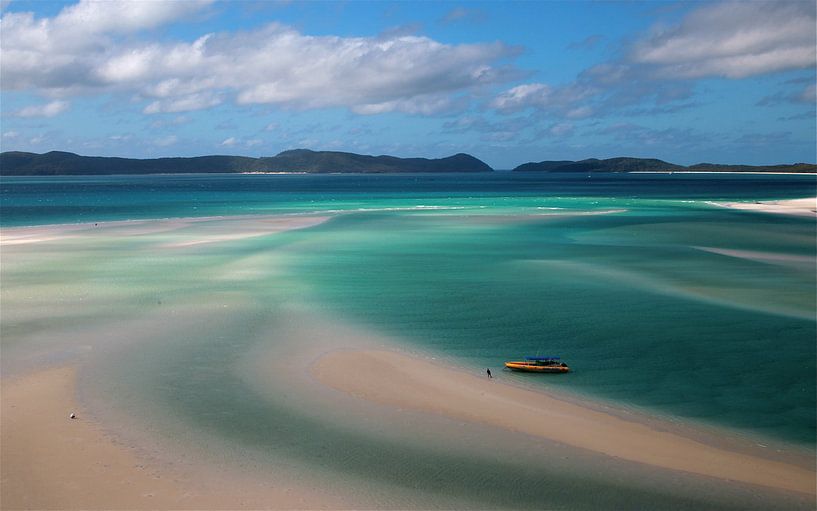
(53, 200)
(641, 298)
(658, 299)
(639, 313)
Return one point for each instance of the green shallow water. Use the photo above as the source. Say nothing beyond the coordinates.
(630, 300)
(659, 301)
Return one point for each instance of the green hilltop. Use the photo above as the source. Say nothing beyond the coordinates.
(299, 160)
(16, 163)
(653, 165)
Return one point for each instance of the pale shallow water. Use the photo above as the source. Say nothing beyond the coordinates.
(658, 300)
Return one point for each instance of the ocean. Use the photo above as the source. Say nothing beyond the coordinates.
(661, 301)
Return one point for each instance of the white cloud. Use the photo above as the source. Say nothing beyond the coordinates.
(422, 105)
(72, 50)
(523, 96)
(233, 142)
(566, 101)
(125, 16)
(278, 65)
(46, 110)
(186, 103)
(733, 40)
(93, 47)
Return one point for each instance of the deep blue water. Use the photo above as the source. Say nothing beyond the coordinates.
(50, 200)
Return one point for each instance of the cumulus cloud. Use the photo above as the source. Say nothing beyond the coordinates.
(406, 73)
(186, 103)
(70, 51)
(46, 110)
(567, 101)
(733, 40)
(124, 15)
(523, 96)
(92, 47)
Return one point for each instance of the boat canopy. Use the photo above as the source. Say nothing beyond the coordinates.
(542, 358)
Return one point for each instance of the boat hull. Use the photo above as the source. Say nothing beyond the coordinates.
(529, 367)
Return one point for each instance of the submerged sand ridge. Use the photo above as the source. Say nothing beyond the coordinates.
(50, 461)
(398, 380)
(388, 449)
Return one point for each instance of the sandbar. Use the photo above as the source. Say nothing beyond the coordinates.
(240, 227)
(398, 380)
(50, 461)
(798, 207)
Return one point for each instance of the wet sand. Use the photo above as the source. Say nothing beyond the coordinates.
(798, 207)
(50, 461)
(401, 381)
(226, 229)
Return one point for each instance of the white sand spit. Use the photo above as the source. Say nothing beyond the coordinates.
(402, 381)
(799, 207)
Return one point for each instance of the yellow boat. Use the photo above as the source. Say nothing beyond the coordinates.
(539, 365)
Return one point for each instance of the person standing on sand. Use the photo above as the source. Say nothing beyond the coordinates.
(489, 372)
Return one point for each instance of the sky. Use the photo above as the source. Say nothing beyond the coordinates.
(508, 82)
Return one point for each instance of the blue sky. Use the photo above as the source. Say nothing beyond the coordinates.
(509, 82)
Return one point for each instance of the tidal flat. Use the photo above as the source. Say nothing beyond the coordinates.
(332, 354)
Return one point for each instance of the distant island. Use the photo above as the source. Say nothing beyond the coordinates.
(16, 163)
(653, 165)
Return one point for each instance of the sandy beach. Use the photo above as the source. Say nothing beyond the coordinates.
(341, 383)
(798, 207)
(50, 461)
(398, 380)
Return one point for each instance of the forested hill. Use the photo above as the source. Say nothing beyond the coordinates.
(15, 163)
(653, 165)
